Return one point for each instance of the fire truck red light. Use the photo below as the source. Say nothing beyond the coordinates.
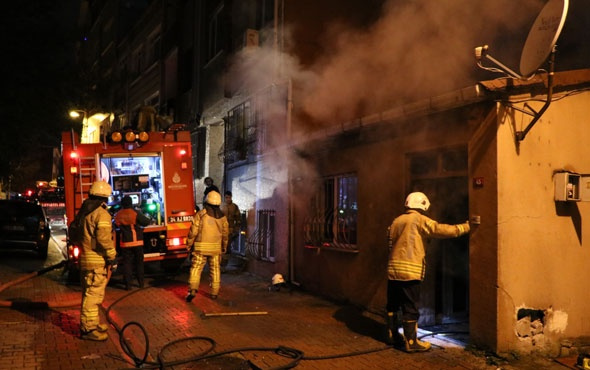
(75, 252)
(182, 151)
(73, 155)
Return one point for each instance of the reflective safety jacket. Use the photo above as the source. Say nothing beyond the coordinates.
(406, 235)
(129, 222)
(208, 234)
(98, 245)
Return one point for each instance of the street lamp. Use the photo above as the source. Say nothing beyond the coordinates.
(77, 113)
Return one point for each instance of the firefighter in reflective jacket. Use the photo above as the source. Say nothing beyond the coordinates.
(97, 257)
(130, 223)
(207, 239)
(406, 268)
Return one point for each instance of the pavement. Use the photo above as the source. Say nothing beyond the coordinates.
(249, 326)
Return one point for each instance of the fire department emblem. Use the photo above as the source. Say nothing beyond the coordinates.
(176, 178)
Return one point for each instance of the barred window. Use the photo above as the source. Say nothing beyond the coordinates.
(333, 220)
(235, 132)
(261, 244)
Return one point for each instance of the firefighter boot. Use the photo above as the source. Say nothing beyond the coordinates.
(393, 336)
(102, 327)
(94, 335)
(191, 294)
(413, 344)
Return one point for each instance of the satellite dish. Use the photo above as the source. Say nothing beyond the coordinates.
(543, 36)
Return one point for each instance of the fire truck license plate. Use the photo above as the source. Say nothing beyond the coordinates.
(174, 219)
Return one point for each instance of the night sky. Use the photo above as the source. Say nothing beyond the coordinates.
(38, 86)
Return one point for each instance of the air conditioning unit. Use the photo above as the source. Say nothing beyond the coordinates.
(250, 38)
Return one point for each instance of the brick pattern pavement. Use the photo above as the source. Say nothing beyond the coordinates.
(321, 330)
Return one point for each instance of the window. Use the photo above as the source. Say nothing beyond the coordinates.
(261, 244)
(265, 13)
(137, 62)
(153, 49)
(215, 29)
(251, 126)
(239, 133)
(199, 147)
(333, 220)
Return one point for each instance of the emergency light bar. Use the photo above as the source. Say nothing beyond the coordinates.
(129, 136)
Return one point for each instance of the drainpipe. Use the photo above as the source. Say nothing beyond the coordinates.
(291, 215)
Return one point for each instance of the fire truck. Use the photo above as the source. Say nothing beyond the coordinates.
(153, 168)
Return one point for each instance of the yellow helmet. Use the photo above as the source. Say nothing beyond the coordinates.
(100, 189)
(213, 198)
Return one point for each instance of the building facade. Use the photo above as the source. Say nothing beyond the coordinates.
(319, 191)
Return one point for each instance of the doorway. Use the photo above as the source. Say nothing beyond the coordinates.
(442, 176)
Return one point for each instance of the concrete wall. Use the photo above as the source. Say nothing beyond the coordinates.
(542, 254)
(483, 200)
(378, 157)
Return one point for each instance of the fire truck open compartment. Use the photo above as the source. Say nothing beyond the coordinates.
(140, 177)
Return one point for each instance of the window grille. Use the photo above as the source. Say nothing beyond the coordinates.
(240, 133)
(333, 220)
(261, 244)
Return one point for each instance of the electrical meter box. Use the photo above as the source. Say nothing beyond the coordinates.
(585, 188)
(567, 187)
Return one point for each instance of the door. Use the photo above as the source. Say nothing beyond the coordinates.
(442, 176)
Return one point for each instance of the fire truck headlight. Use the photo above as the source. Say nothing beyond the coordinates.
(130, 136)
(116, 137)
(143, 136)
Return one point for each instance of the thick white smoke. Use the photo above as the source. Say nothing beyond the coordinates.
(413, 50)
(416, 49)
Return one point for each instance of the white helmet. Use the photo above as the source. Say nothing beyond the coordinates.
(213, 198)
(100, 189)
(277, 279)
(417, 200)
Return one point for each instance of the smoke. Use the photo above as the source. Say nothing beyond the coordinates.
(415, 49)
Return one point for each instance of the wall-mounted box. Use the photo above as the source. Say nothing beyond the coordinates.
(567, 187)
(585, 188)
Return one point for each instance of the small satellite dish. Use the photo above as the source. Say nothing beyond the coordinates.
(543, 36)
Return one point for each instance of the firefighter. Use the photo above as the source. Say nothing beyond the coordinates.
(96, 259)
(207, 240)
(406, 268)
(130, 224)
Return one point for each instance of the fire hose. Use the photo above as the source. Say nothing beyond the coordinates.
(293, 354)
(35, 304)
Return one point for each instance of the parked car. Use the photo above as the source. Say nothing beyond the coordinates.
(56, 215)
(24, 226)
